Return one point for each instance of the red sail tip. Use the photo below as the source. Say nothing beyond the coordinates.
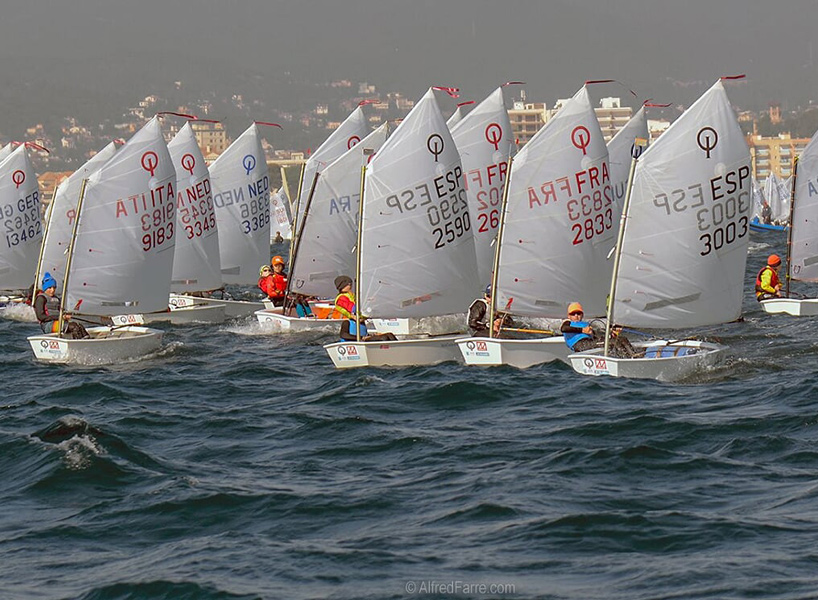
(592, 81)
(452, 91)
(176, 114)
(465, 103)
(733, 77)
(268, 124)
(365, 102)
(513, 83)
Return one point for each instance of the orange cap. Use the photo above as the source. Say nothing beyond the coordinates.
(575, 307)
(774, 260)
(277, 260)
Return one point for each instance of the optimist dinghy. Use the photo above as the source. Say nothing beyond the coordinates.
(556, 228)
(682, 246)
(114, 264)
(415, 241)
(323, 247)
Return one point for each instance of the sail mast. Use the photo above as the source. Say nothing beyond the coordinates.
(70, 256)
(42, 245)
(498, 241)
(296, 241)
(367, 154)
(789, 231)
(636, 151)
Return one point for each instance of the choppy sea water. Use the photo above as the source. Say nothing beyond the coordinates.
(238, 465)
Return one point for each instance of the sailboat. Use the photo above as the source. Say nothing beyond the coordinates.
(415, 251)
(324, 247)
(682, 246)
(241, 195)
(555, 231)
(121, 253)
(196, 266)
(22, 223)
(802, 241)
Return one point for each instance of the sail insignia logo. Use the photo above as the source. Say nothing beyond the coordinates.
(435, 145)
(707, 139)
(188, 162)
(150, 161)
(581, 138)
(249, 163)
(494, 135)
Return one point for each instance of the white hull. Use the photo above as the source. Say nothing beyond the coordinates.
(791, 306)
(670, 368)
(188, 315)
(516, 353)
(401, 353)
(273, 320)
(105, 346)
(233, 309)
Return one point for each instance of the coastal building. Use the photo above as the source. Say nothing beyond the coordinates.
(211, 137)
(774, 154)
(526, 119)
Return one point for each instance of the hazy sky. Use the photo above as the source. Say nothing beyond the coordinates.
(671, 50)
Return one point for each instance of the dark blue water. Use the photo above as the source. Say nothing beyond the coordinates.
(239, 466)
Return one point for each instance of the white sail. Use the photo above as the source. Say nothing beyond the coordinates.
(417, 247)
(327, 245)
(778, 197)
(485, 141)
(354, 128)
(22, 222)
(687, 230)
(619, 154)
(281, 221)
(456, 117)
(61, 214)
(241, 193)
(196, 264)
(804, 253)
(123, 252)
(559, 224)
(758, 197)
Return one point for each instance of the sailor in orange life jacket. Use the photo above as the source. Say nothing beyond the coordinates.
(274, 283)
(767, 284)
(345, 307)
(47, 311)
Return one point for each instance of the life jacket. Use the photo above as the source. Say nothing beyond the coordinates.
(265, 284)
(773, 280)
(344, 306)
(279, 285)
(353, 328)
(572, 338)
(52, 303)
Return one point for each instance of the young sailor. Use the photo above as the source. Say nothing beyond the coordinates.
(47, 311)
(345, 307)
(478, 313)
(580, 336)
(767, 283)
